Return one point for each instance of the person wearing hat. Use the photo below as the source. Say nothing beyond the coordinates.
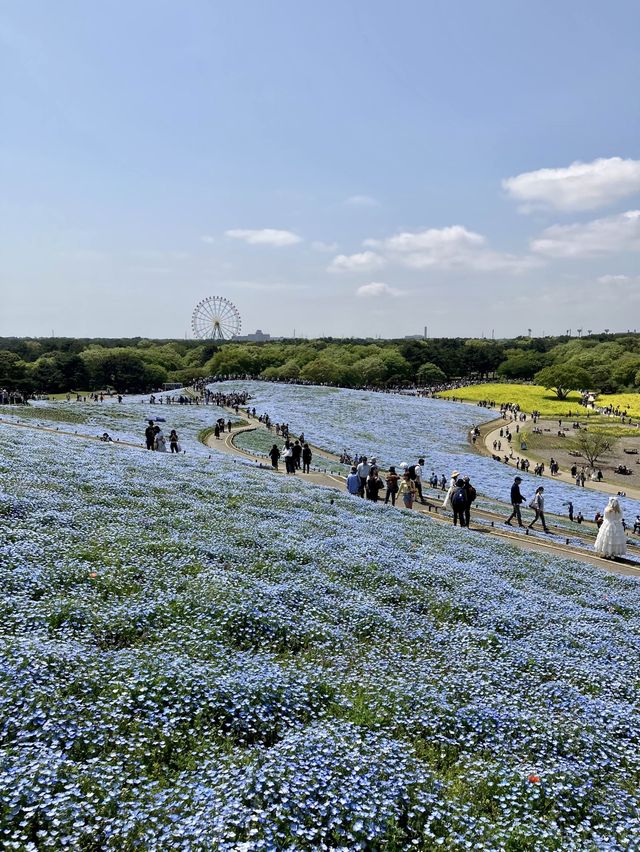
(446, 503)
(516, 500)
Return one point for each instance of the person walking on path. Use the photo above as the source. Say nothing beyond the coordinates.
(307, 455)
(296, 449)
(418, 479)
(216, 431)
(392, 486)
(537, 504)
(364, 469)
(373, 485)
(150, 436)
(446, 503)
(459, 503)
(516, 500)
(471, 496)
(173, 441)
(407, 491)
(288, 458)
(353, 482)
(611, 540)
(274, 455)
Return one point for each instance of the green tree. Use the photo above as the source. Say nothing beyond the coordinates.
(521, 364)
(47, 375)
(321, 371)
(625, 370)
(482, 356)
(232, 360)
(398, 368)
(430, 374)
(592, 445)
(563, 378)
(372, 370)
(12, 370)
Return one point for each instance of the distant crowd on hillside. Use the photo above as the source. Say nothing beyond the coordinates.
(8, 397)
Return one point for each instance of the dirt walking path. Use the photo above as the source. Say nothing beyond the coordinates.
(490, 432)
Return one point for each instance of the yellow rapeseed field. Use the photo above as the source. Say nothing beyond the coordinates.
(629, 402)
(529, 397)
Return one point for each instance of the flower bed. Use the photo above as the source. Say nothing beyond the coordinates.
(398, 428)
(197, 656)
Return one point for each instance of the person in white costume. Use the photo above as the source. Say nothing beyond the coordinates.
(612, 539)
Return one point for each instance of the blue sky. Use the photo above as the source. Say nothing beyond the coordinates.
(340, 168)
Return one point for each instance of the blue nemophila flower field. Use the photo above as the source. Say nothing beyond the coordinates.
(397, 428)
(197, 655)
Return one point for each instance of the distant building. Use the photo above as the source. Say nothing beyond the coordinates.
(258, 337)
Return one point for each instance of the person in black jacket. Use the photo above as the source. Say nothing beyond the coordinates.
(516, 500)
(307, 455)
(297, 455)
(274, 455)
(150, 436)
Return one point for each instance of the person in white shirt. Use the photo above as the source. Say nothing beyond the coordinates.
(364, 469)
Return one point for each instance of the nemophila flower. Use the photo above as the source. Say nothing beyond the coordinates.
(394, 427)
(277, 672)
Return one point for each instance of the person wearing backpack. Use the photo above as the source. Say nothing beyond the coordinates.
(459, 503)
(471, 496)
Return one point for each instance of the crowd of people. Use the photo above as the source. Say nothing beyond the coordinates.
(297, 455)
(12, 397)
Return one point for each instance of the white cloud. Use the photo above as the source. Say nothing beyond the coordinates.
(626, 287)
(617, 279)
(362, 262)
(580, 186)
(448, 248)
(318, 245)
(265, 237)
(600, 236)
(267, 286)
(361, 201)
(378, 288)
(608, 293)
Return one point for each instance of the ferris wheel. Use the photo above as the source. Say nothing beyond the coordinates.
(215, 318)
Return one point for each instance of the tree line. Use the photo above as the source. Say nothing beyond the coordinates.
(606, 363)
